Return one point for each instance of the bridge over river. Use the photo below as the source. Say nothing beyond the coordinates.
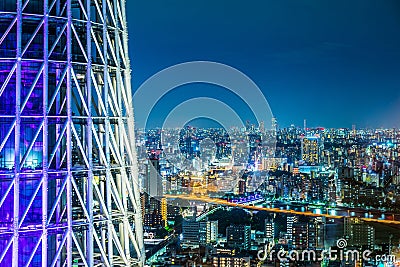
(300, 209)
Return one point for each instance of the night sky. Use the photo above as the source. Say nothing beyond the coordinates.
(335, 63)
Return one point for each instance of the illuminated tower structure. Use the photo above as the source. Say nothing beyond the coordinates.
(68, 170)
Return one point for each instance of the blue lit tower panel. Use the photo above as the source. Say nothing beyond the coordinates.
(68, 170)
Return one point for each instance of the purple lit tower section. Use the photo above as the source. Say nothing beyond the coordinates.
(68, 168)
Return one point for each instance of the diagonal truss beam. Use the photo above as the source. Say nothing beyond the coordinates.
(80, 135)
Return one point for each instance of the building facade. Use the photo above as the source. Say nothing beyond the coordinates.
(238, 236)
(68, 168)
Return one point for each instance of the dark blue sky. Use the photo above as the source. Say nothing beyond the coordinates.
(336, 63)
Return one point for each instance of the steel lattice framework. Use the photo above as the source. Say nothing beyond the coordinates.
(68, 167)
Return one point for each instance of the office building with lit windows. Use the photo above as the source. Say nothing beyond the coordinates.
(310, 150)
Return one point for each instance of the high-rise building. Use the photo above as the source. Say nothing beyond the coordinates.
(172, 212)
(199, 233)
(363, 234)
(190, 233)
(242, 186)
(153, 219)
(153, 182)
(208, 231)
(164, 211)
(254, 148)
(345, 173)
(274, 125)
(306, 235)
(153, 216)
(238, 236)
(222, 260)
(269, 229)
(358, 233)
(316, 233)
(68, 174)
(300, 235)
(310, 150)
(290, 220)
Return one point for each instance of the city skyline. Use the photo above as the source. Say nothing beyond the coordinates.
(314, 189)
(334, 64)
(203, 123)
